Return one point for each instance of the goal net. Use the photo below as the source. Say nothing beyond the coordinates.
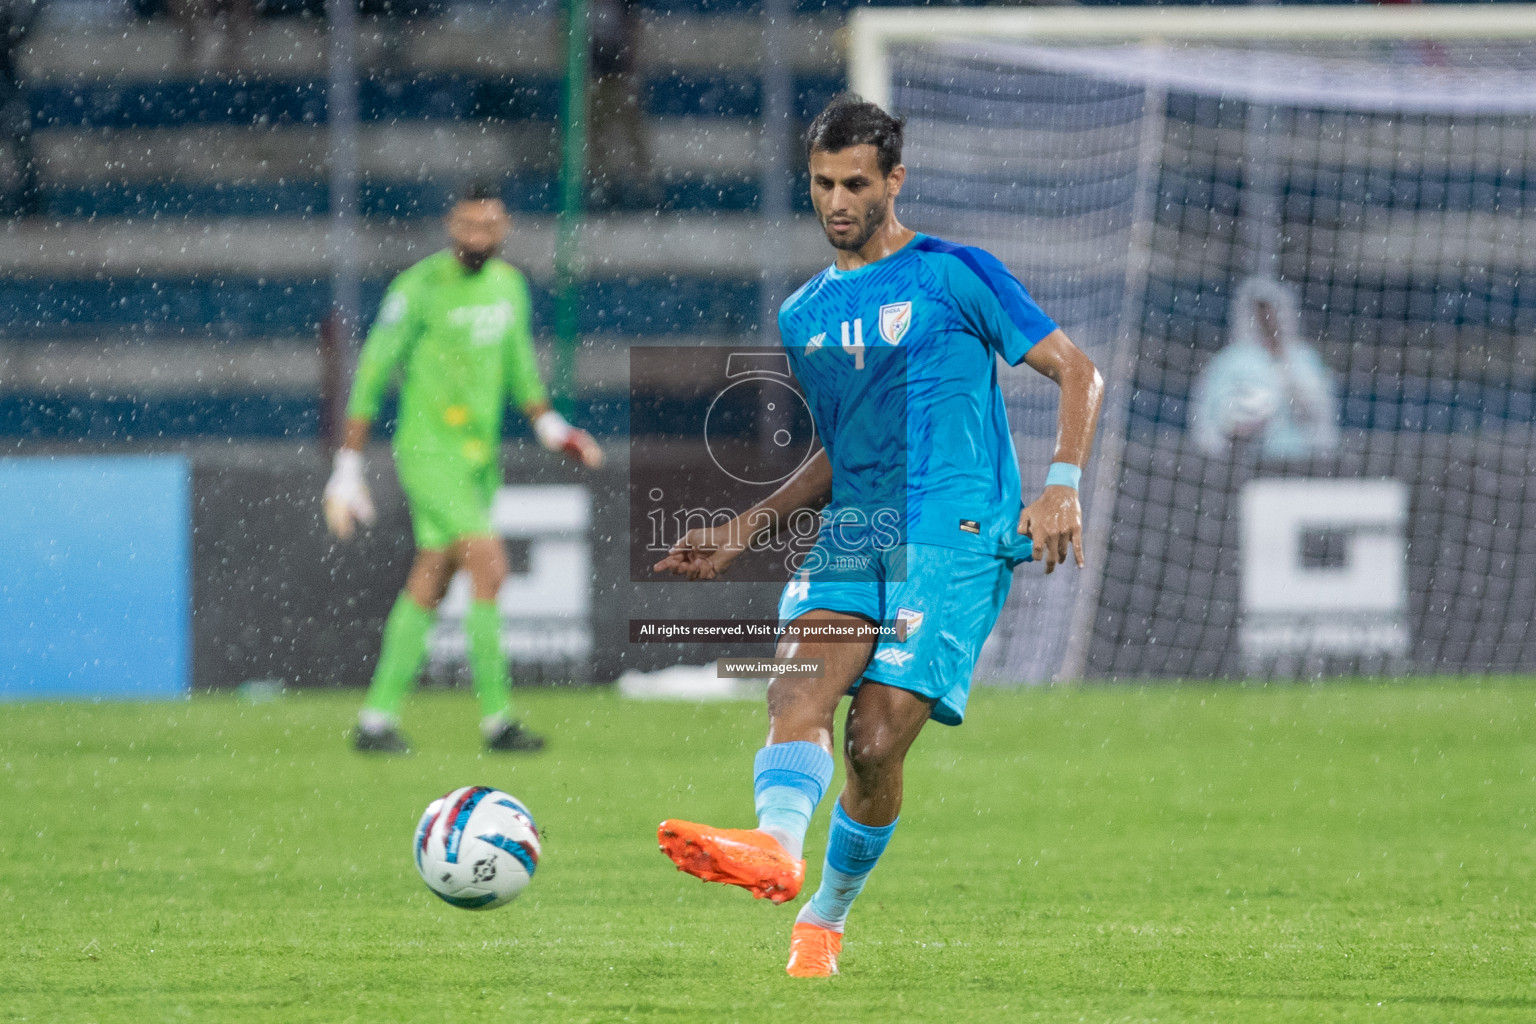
(1301, 249)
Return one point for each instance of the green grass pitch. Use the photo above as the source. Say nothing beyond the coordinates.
(1353, 852)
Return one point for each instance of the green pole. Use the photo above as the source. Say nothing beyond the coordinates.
(573, 173)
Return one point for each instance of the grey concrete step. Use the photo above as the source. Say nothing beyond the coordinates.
(392, 152)
(480, 45)
(731, 244)
(148, 368)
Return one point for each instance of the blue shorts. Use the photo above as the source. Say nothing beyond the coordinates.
(950, 600)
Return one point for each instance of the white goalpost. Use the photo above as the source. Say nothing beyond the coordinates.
(873, 31)
(1134, 167)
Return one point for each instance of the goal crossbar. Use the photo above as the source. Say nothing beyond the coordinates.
(872, 31)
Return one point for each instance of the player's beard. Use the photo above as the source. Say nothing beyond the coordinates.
(473, 260)
(874, 218)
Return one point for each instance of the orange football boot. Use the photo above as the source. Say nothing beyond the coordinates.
(736, 856)
(813, 951)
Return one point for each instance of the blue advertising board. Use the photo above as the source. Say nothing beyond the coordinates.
(95, 577)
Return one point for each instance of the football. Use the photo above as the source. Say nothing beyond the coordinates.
(476, 847)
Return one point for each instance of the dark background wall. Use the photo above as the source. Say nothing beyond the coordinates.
(1170, 601)
(274, 596)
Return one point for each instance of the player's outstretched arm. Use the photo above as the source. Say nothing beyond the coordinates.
(346, 499)
(526, 386)
(1054, 521)
(705, 553)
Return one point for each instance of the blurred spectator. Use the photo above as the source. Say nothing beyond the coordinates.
(213, 31)
(1266, 384)
(18, 170)
(621, 152)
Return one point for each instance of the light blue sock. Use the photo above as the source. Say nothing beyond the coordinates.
(788, 780)
(852, 851)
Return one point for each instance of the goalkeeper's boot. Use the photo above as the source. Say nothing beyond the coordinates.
(380, 741)
(813, 951)
(513, 738)
(736, 856)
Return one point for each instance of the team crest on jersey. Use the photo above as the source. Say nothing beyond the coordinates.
(908, 622)
(393, 310)
(815, 343)
(895, 320)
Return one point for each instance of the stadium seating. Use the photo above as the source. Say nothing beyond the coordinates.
(181, 249)
(183, 213)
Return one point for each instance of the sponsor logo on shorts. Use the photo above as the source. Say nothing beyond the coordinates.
(907, 622)
(894, 656)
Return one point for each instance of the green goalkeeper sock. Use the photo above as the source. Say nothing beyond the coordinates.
(487, 664)
(400, 658)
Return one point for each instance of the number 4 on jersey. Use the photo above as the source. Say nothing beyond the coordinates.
(856, 346)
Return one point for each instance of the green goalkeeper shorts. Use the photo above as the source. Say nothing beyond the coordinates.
(449, 500)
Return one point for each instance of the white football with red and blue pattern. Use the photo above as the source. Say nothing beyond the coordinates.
(476, 848)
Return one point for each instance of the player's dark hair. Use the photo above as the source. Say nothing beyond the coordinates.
(474, 190)
(850, 120)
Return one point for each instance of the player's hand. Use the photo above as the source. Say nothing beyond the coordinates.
(555, 434)
(1053, 522)
(346, 499)
(580, 446)
(704, 554)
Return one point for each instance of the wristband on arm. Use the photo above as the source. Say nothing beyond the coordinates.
(1063, 474)
(346, 469)
(552, 430)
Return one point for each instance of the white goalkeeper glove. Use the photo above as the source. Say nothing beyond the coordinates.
(557, 435)
(346, 498)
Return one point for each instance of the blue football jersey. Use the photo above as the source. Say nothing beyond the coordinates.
(898, 363)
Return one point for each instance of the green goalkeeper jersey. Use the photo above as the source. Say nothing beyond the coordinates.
(462, 343)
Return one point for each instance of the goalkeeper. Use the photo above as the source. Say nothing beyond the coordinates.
(456, 327)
